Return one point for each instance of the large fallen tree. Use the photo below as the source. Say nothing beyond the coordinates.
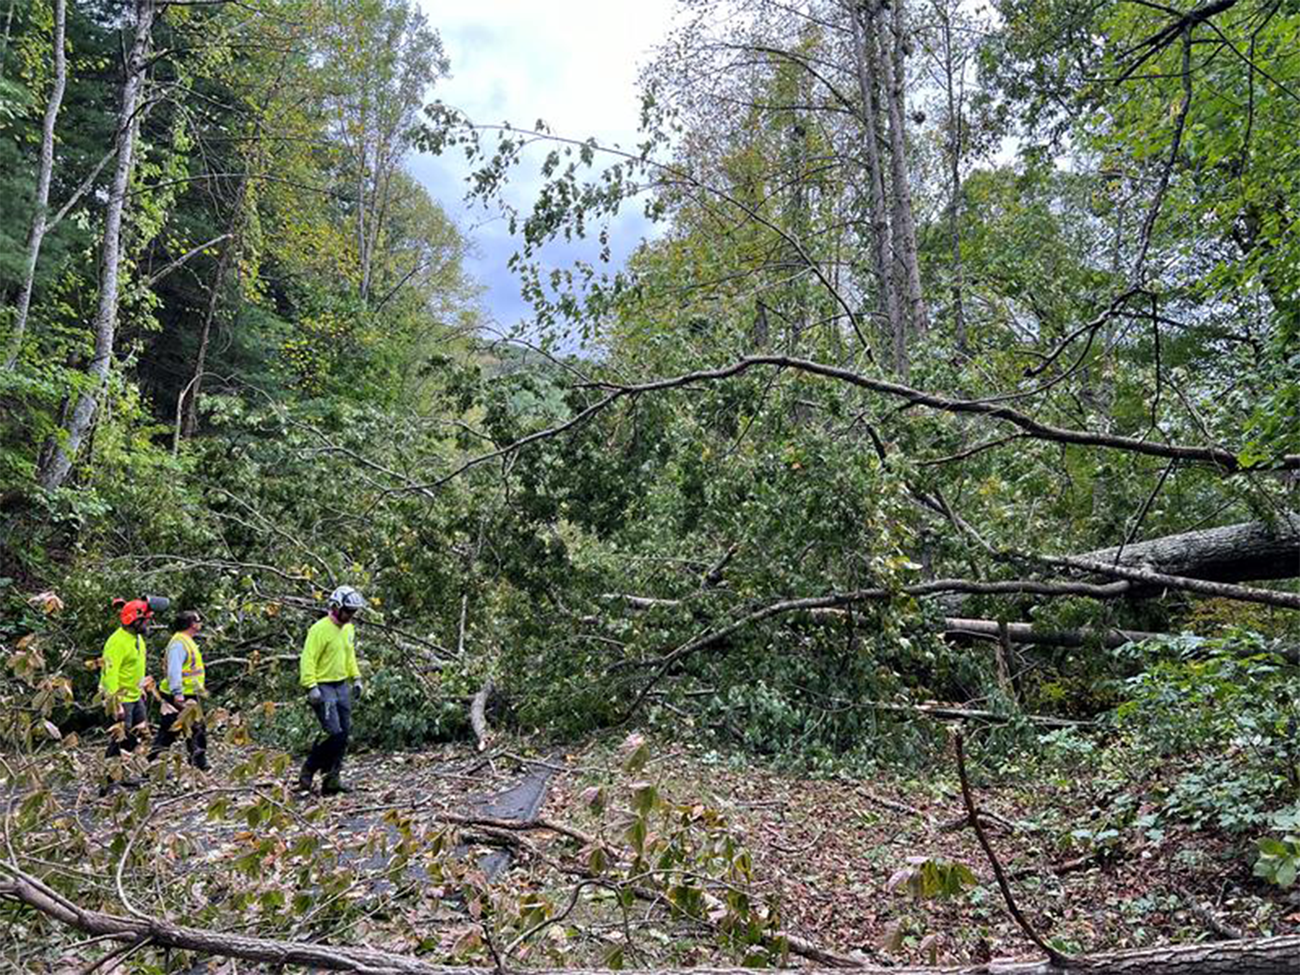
(1265, 956)
(1027, 633)
(1231, 553)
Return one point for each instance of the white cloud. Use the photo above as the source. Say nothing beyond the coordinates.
(572, 64)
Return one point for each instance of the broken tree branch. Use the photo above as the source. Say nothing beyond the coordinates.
(1222, 590)
(1057, 958)
(478, 715)
(1028, 633)
(1264, 954)
(1225, 460)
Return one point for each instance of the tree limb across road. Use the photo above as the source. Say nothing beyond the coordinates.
(1214, 456)
(1225, 460)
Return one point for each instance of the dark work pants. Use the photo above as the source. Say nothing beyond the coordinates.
(196, 742)
(133, 713)
(334, 712)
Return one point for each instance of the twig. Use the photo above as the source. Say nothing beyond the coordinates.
(889, 803)
(120, 955)
(1203, 914)
(547, 922)
(1148, 225)
(1069, 866)
(1142, 512)
(962, 821)
(1056, 957)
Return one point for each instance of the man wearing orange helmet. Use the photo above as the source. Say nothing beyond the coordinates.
(123, 680)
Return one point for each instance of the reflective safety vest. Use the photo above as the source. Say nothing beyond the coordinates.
(191, 669)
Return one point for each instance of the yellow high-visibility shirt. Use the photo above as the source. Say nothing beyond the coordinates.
(329, 653)
(124, 665)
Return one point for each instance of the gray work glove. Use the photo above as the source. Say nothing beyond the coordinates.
(357, 690)
(314, 695)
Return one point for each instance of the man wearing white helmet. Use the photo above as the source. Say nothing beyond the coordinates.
(328, 669)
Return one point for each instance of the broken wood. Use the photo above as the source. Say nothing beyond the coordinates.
(952, 713)
(889, 803)
(1069, 866)
(1002, 651)
(1264, 956)
(1207, 917)
(478, 714)
(986, 818)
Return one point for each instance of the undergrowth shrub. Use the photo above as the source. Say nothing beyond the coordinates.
(1205, 738)
(1214, 721)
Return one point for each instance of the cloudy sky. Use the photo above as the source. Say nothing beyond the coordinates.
(572, 64)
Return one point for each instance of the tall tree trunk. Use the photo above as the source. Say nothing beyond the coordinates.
(40, 218)
(954, 176)
(363, 255)
(380, 200)
(894, 76)
(797, 224)
(868, 84)
(191, 421)
(4, 39)
(53, 474)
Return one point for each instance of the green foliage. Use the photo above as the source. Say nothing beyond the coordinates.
(1200, 700)
(1279, 856)
(930, 878)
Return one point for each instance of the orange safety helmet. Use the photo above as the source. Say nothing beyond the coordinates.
(132, 611)
(136, 609)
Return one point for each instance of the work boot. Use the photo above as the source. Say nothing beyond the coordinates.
(305, 781)
(333, 785)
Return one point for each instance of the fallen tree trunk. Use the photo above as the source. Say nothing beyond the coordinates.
(1232, 553)
(1264, 956)
(1025, 633)
(954, 713)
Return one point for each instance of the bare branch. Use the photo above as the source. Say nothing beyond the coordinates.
(154, 278)
(1265, 954)
(1057, 959)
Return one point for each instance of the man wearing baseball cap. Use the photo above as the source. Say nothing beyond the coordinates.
(184, 684)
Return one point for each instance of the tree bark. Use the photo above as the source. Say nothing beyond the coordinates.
(478, 714)
(191, 421)
(4, 38)
(954, 175)
(60, 458)
(880, 251)
(40, 218)
(894, 76)
(1025, 633)
(1232, 553)
(1265, 956)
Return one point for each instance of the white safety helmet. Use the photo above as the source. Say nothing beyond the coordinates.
(345, 597)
